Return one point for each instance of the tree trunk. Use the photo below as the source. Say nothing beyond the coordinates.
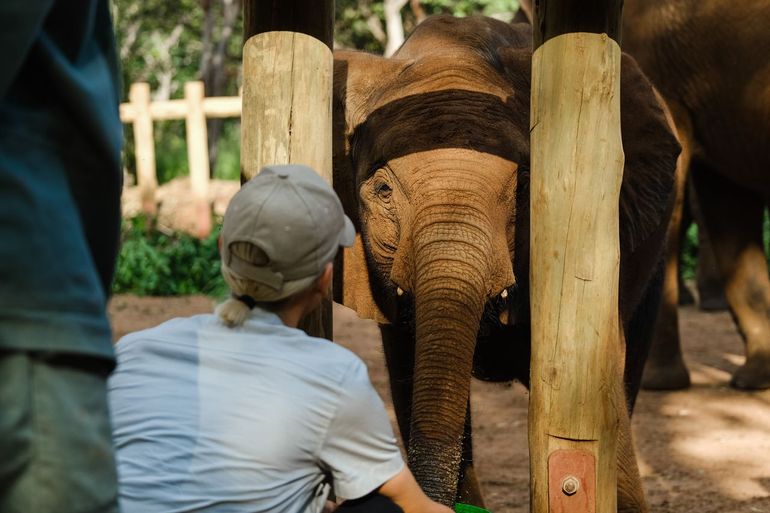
(417, 10)
(212, 69)
(394, 25)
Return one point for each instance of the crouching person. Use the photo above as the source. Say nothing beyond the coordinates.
(240, 411)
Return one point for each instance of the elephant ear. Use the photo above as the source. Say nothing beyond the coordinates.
(357, 79)
(649, 144)
(651, 151)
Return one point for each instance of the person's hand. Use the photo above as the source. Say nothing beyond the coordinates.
(329, 507)
(404, 491)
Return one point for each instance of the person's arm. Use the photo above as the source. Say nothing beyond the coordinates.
(404, 491)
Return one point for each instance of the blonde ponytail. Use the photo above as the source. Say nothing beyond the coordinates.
(233, 312)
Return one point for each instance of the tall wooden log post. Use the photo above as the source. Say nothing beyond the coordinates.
(287, 95)
(577, 165)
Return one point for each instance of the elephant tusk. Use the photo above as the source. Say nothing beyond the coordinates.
(504, 293)
(400, 291)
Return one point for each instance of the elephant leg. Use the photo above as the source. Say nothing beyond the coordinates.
(637, 342)
(469, 490)
(639, 334)
(630, 491)
(399, 356)
(733, 218)
(665, 368)
(711, 297)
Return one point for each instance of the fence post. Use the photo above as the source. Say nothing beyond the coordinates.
(577, 406)
(287, 97)
(198, 156)
(144, 144)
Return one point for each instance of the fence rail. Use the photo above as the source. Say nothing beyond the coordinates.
(195, 108)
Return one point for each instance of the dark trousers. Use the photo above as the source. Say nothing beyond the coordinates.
(372, 503)
(55, 439)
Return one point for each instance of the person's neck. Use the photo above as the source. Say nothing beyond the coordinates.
(292, 314)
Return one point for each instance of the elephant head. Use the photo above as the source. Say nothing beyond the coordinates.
(431, 156)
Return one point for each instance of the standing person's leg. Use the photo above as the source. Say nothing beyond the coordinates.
(55, 435)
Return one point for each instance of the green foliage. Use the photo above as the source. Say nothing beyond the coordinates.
(171, 156)
(162, 43)
(229, 160)
(154, 263)
(504, 9)
(353, 18)
(689, 253)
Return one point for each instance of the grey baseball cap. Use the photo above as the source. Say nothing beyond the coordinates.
(295, 217)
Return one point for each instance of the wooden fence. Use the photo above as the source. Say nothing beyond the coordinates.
(194, 109)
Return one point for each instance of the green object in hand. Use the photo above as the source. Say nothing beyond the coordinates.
(467, 508)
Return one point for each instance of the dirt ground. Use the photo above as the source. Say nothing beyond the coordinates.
(703, 450)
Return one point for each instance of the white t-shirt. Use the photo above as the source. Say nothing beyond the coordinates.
(248, 419)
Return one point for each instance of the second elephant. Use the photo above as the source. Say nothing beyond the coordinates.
(709, 59)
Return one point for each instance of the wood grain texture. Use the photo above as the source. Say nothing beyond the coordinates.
(577, 165)
(287, 108)
(287, 115)
(144, 144)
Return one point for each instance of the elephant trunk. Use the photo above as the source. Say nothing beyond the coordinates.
(452, 270)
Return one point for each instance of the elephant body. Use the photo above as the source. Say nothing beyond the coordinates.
(431, 161)
(709, 60)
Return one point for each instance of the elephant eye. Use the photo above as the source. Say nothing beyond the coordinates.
(383, 191)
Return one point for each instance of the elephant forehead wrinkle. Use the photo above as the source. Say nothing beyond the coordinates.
(459, 70)
(454, 232)
(469, 176)
(458, 79)
(442, 201)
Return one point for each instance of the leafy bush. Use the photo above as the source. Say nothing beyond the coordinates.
(689, 253)
(158, 264)
(228, 166)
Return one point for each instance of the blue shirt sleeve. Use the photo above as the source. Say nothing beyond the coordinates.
(360, 450)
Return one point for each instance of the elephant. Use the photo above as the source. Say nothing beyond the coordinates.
(431, 162)
(709, 60)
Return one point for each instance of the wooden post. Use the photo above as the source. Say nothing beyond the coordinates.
(577, 163)
(144, 144)
(198, 156)
(287, 91)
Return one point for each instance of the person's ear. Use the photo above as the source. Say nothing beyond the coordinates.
(324, 282)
